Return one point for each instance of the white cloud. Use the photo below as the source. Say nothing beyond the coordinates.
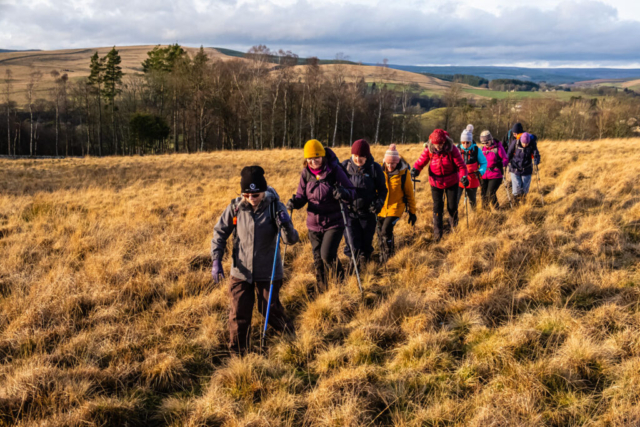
(408, 32)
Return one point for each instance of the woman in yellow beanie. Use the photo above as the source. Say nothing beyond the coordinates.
(323, 183)
(400, 198)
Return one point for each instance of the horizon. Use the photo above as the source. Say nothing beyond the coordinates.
(549, 34)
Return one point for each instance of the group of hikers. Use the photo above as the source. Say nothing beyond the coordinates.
(358, 197)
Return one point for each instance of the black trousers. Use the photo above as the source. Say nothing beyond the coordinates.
(386, 240)
(438, 196)
(325, 246)
(471, 196)
(362, 231)
(242, 295)
(489, 192)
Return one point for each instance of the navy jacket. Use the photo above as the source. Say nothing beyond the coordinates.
(370, 184)
(522, 159)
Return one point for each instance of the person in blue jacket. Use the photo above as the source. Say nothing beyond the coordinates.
(523, 155)
(476, 165)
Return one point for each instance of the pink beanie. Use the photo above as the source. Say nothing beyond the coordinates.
(391, 154)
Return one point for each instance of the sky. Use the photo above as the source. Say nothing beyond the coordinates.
(540, 33)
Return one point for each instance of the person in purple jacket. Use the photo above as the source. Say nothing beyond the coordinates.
(323, 186)
(497, 161)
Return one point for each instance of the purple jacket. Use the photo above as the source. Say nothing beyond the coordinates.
(497, 160)
(323, 210)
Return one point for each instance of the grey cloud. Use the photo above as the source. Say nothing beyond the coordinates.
(573, 32)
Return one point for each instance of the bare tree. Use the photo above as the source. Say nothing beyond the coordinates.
(7, 99)
(34, 78)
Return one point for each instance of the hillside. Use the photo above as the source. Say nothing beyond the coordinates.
(74, 62)
(528, 317)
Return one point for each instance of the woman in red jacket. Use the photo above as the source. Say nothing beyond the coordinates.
(446, 169)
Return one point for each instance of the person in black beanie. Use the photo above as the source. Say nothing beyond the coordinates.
(369, 181)
(255, 219)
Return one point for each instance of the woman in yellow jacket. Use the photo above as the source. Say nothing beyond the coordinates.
(400, 198)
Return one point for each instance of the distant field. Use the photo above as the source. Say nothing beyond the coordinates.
(565, 96)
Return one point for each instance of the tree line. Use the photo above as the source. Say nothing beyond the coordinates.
(191, 103)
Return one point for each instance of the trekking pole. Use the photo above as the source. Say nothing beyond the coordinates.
(273, 273)
(350, 243)
(466, 208)
(538, 176)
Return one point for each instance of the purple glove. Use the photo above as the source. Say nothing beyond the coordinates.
(216, 271)
(282, 218)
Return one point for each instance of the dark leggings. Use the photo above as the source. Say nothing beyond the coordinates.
(438, 196)
(387, 244)
(471, 195)
(325, 254)
(489, 192)
(362, 231)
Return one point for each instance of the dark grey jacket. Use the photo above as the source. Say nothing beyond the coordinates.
(256, 236)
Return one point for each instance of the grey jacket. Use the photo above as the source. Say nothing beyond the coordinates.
(256, 236)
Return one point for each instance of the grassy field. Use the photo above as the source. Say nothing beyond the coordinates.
(529, 317)
(561, 95)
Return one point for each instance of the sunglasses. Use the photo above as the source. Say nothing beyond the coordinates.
(251, 195)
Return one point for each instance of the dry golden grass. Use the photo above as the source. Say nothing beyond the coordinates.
(108, 314)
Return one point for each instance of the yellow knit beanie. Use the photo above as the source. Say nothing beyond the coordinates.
(313, 148)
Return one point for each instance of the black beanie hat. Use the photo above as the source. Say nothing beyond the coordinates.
(517, 128)
(252, 180)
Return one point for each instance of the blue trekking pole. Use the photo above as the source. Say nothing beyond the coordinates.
(273, 273)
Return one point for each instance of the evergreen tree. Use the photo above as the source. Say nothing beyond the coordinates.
(112, 79)
(96, 79)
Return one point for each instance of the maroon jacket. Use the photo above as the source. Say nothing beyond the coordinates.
(445, 167)
(323, 210)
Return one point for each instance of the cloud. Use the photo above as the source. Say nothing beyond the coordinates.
(572, 32)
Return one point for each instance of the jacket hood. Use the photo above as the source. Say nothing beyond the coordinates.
(332, 159)
(448, 146)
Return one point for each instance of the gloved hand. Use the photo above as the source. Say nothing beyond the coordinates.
(376, 207)
(282, 218)
(414, 173)
(465, 181)
(340, 193)
(412, 219)
(294, 203)
(216, 271)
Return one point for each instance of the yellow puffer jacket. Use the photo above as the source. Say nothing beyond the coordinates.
(394, 206)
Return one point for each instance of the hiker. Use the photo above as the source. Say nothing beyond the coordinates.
(323, 185)
(446, 169)
(513, 134)
(476, 165)
(400, 198)
(370, 193)
(523, 155)
(497, 161)
(254, 219)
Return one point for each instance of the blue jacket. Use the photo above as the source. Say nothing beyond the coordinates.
(522, 159)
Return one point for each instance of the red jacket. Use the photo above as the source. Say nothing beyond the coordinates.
(445, 167)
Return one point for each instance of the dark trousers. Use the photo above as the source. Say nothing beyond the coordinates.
(471, 196)
(489, 192)
(325, 255)
(362, 231)
(438, 196)
(386, 240)
(242, 295)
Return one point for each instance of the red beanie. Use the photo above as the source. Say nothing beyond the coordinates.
(438, 137)
(361, 148)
